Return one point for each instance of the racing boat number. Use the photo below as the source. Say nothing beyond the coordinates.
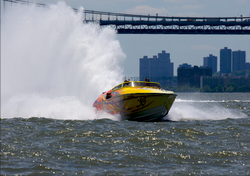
(141, 101)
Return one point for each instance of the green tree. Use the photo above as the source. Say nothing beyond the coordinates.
(244, 89)
(216, 74)
(207, 89)
(231, 87)
(218, 88)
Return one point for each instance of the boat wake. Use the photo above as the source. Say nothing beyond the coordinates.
(186, 110)
(211, 101)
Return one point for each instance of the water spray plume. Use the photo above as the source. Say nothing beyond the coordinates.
(54, 65)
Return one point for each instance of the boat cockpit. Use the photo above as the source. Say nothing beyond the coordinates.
(152, 85)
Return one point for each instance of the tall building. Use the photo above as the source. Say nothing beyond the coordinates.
(225, 60)
(156, 69)
(210, 61)
(185, 65)
(191, 76)
(239, 60)
(247, 66)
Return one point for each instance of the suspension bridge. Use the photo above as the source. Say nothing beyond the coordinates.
(155, 24)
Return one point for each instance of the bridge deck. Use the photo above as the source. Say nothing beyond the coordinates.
(146, 24)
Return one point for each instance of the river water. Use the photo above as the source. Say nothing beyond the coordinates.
(208, 135)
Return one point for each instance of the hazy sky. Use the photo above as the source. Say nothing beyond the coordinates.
(182, 48)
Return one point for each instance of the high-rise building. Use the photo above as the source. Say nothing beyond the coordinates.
(191, 76)
(239, 60)
(247, 66)
(225, 60)
(210, 61)
(157, 68)
(185, 65)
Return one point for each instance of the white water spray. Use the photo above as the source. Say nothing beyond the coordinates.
(183, 110)
(52, 64)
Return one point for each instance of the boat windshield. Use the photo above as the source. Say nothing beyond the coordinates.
(141, 84)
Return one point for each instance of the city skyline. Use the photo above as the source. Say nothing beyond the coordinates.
(183, 48)
(231, 61)
(159, 68)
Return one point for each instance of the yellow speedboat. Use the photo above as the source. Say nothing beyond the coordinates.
(136, 101)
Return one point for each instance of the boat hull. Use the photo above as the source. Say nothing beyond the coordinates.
(139, 106)
(146, 107)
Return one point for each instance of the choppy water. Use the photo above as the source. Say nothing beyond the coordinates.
(197, 143)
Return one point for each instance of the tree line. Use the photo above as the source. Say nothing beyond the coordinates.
(231, 87)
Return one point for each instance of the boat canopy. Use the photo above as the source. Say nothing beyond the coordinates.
(138, 84)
